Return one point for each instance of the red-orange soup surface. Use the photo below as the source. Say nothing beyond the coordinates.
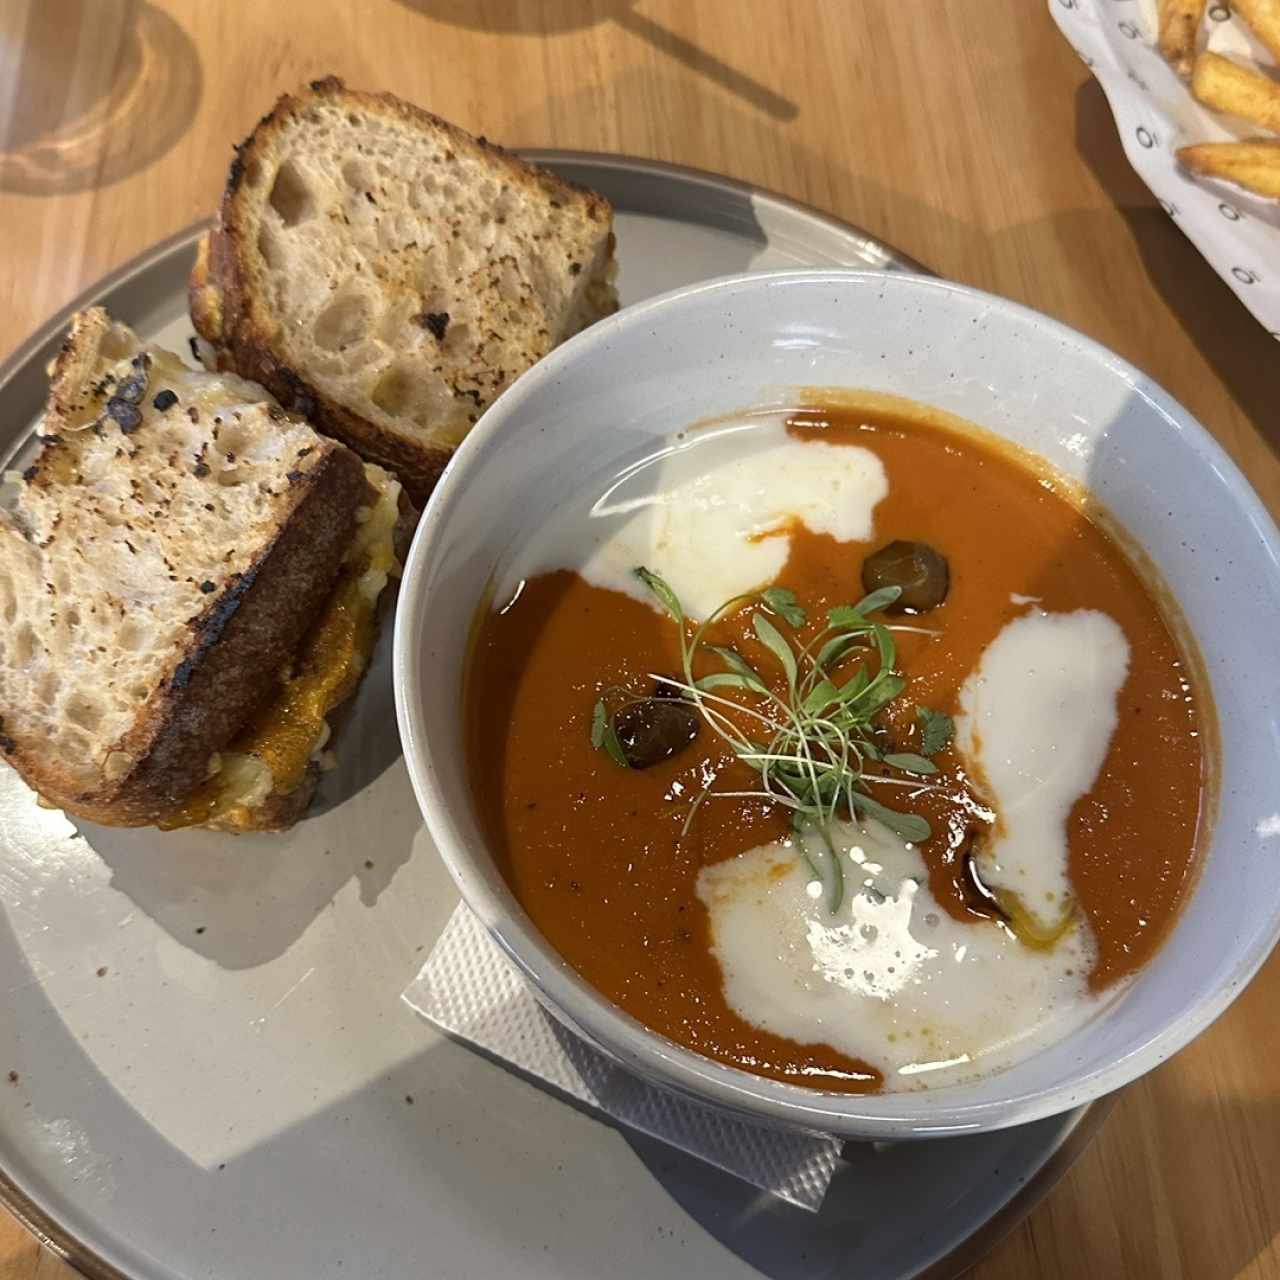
(596, 855)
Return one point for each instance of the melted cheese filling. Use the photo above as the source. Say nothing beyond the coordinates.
(272, 753)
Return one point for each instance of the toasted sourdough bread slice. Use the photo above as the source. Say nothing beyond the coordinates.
(265, 777)
(158, 567)
(387, 275)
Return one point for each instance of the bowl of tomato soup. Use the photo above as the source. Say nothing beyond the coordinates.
(817, 683)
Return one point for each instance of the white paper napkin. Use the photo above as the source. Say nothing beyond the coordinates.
(470, 990)
(1155, 113)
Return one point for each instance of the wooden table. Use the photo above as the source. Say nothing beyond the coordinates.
(966, 133)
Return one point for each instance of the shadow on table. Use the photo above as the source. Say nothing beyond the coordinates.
(549, 18)
(1241, 352)
(74, 120)
(241, 901)
(557, 16)
(1214, 1173)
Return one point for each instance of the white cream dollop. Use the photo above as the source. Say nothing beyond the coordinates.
(890, 978)
(712, 514)
(1037, 717)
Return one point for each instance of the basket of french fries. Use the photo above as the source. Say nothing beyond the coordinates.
(1195, 89)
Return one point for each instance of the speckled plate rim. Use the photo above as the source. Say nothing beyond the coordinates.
(649, 187)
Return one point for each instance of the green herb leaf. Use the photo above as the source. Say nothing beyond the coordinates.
(879, 693)
(599, 719)
(771, 638)
(740, 666)
(823, 791)
(877, 600)
(845, 617)
(784, 602)
(853, 687)
(790, 780)
(936, 730)
(815, 735)
(723, 680)
(885, 647)
(909, 762)
(670, 601)
(613, 748)
(834, 649)
(910, 826)
(821, 856)
(821, 695)
(837, 873)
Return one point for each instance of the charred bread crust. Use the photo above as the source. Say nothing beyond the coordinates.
(521, 171)
(245, 348)
(229, 317)
(238, 647)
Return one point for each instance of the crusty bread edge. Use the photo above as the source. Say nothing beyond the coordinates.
(241, 345)
(280, 810)
(230, 319)
(238, 643)
(238, 646)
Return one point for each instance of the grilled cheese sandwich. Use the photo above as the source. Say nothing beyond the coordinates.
(190, 579)
(285, 740)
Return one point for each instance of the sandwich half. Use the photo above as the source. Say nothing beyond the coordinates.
(387, 275)
(189, 581)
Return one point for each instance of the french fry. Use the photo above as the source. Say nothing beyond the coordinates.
(1223, 85)
(1262, 17)
(1253, 165)
(1179, 24)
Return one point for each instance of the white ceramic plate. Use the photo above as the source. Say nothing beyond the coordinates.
(212, 1073)
(1238, 233)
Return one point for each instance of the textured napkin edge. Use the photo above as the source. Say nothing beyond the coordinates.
(478, 1004)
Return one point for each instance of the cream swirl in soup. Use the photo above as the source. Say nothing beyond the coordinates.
(885, 772)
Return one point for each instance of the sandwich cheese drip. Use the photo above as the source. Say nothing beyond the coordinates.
(272, 754)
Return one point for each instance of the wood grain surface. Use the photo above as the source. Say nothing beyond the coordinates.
(967, 133)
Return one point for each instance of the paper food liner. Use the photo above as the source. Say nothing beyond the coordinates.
(1238, 233)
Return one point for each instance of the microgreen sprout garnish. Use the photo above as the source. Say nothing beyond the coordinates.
(812, 730)
(936, 730)
(604, 735)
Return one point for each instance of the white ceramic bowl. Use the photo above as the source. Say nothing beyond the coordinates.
(608, 395)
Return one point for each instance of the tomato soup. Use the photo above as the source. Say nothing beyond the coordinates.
(927, 790)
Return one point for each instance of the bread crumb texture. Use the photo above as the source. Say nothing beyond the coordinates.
(408, 271)
(157, 492)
